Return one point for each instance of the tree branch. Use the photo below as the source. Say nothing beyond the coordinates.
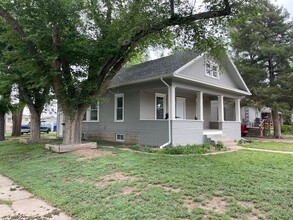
(143, 32)
(17, 29)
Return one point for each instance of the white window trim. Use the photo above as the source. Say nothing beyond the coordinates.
(115, 107)
(212, 63)
(164, 104)
(116, 137)
(88, 114)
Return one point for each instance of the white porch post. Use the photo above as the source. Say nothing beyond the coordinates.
(172, 102)
(221, 108)
(199, 106)
(237, 110)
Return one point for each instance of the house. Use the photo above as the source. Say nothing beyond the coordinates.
(252, 117)
(176, 100)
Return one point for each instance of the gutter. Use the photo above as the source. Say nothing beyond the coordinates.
(169, 118)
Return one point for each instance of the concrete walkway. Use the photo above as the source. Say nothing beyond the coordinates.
(264, 150)
(16, 203)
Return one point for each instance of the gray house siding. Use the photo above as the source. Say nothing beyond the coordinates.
(151, 132)
(185, 74)
(196, 71)
(187, 132)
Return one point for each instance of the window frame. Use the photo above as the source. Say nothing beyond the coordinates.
(160, 95)
(211, 70)
(120, 95)
(88, 114)
(121, 135)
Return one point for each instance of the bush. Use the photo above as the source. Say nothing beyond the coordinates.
(187, 149)
(286, 129)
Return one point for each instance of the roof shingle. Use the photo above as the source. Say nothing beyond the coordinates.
(153, 68)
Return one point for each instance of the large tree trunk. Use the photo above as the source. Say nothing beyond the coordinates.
(72, 128)
(277, 124)
(35, 123)
(16, 122)
(2, 127)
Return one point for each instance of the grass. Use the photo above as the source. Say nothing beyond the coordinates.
(279, 146)
(155, 186)
(5, 202)
(177, 150)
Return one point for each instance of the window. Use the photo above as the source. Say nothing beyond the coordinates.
(92, 113)
(212, 69)
(119, 107)
(160, 106)
(119, 137)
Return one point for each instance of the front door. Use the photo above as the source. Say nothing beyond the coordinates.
(180, 108)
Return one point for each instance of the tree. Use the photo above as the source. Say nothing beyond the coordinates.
(264, 49)
(4, 108)
(85, 43)
(26, 73)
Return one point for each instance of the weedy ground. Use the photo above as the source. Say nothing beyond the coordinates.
(112, 183)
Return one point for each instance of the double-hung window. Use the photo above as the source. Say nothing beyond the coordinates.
(119, 107)
(160, 106)
(211, 69)
(92, 113)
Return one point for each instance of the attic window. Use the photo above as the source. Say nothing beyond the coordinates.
(212, 69)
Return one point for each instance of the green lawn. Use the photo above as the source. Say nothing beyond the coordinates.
(124, 184)
(279, 146)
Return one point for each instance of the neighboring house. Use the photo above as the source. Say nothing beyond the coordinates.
(174, 100)
(252, 117)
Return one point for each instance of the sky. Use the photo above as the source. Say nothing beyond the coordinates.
(287, 4)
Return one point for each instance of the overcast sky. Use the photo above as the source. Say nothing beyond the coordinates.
(287, 4)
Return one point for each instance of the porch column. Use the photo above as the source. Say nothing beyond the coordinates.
(199, 106)
(237, 110)
(172, 101)
(221, 108)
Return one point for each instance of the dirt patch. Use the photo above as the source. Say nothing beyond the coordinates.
(127, 190)
(86, 154)
(257, 213)
(114, 177)
(216, 205)
(190, 204)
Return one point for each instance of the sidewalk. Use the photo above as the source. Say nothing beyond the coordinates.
(16, 203)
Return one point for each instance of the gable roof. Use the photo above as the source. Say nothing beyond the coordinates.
(154, 68)
(170, 66)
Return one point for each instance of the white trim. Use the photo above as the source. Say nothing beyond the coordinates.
(119, 134)
(240, 77)
(237, 110)
(199, 105)
(221, 108)
(188, 64)
(212, 85)
(161, 95)
(88, 114)
(120, 95)
(212, 64)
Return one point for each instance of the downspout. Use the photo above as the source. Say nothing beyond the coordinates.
(169, 118)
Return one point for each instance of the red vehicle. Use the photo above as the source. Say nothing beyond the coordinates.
(244, 130)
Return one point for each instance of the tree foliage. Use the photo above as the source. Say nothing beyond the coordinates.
(78, 46)
(264, 51)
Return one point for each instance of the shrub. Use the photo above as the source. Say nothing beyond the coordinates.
(286, 129)
(187, 149)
